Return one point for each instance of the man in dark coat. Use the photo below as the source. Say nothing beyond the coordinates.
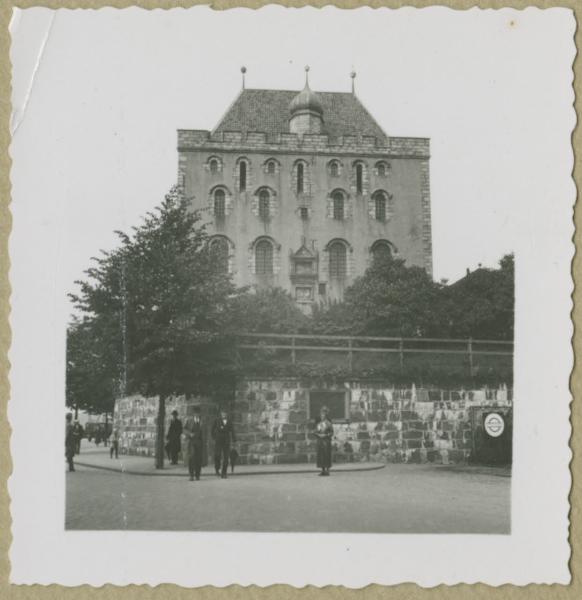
(78, 432)
(194, 434)
(324, 433)
(222, 434)
(174, 438)
(70, 441)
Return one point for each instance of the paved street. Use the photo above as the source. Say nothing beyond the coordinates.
(395, 499)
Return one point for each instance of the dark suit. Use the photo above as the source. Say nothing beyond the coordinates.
(70, 445)
(222, 434)
(174, 440)
(194, 433)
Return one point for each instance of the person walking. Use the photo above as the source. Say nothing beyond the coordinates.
(78, 433)
(114, 448)
(174, 438)
(69, 441)
(222, 434)
(324, 433)
(194, 434)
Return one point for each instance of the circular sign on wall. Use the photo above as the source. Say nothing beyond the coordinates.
(494, 424)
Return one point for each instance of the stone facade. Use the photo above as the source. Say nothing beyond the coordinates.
(348, 137)
(373, 421)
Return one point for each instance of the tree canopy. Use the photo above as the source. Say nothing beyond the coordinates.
(93, 375)
(393, 299)
(162, 303)
(481, 305)
(269, 310)
(390, 299)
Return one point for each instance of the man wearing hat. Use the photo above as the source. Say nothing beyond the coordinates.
(174, 436)
(70, 442)
(194, 434)
(222, 434)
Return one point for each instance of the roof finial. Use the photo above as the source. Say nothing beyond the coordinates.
(307, 75)
(243, 70)
(353, 76)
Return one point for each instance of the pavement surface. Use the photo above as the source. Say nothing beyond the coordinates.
(394, 499)
(99, 458)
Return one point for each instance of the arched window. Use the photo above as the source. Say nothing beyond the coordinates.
(220, 249)
(242, 176)
(219, 204)
(338, 206)
(382, 168)
(213, 165)
(359, 178)
(380, 206)
(337, 260)
(271, 167)
(334, 168)
(300, 178)
(381, 251)
(264, 257)
(264, 208)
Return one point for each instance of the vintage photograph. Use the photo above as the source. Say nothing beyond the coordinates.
(288, 270)
(276, 315)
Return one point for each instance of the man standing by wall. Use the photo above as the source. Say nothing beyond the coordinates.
(70, 441)
(222, 434)
(174, 436)
(194, 433)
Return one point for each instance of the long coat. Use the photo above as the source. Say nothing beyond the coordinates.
(70, 440)
(194, 434)
(324, 433)
(174, 435)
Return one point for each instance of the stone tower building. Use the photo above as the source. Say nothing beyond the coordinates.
(303, 190)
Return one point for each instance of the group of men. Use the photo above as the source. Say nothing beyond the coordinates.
(193, 431)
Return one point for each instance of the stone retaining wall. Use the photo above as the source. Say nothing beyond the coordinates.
(378, 422)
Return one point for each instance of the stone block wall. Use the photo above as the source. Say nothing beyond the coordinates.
(379, 422)
(382, 423)
(135, 419)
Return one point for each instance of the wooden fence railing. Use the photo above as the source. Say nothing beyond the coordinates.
(294, 344)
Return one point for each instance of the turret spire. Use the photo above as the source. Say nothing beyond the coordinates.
(243, 70)
(306, 110)
(353, 76)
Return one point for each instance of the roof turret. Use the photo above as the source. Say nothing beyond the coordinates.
(306, 100)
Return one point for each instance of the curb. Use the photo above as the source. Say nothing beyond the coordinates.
(375, 467)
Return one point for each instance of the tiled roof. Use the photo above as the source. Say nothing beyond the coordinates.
(268, 111)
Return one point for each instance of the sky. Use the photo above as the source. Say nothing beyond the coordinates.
(98, 97)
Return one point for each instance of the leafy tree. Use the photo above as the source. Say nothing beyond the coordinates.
(162, 308)
(92, 380)
(390, 299)
(270, 310)
(481, 304)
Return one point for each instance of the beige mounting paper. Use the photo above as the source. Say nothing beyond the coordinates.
(537, 550)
